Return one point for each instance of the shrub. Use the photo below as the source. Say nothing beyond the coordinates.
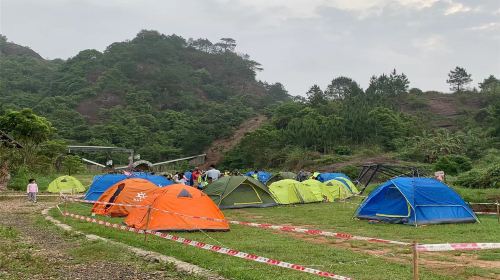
(350, 170)
(453, 164)
(343, 150)
(481, 178)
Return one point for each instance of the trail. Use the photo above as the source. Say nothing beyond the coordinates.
(215, 153)
(56, 250)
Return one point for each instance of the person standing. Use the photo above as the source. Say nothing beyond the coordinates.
(212, 173)
(196, 177)
(32, 190)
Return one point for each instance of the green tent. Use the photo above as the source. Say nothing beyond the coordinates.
(317, 188)
(66, 184)
(284, 191)
(239, 192)
(305, 193)
(281, 176)
(335, 189)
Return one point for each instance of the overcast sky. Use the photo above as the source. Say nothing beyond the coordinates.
(298, 42)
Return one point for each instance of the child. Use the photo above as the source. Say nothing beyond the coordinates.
(32, 190)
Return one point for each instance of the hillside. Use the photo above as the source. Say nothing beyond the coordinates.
(162, 95)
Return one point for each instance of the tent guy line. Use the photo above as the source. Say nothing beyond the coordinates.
(213, 248)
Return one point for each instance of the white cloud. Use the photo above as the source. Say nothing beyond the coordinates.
(310, 8)
(431, 43)
(454, 8)
(486, 27)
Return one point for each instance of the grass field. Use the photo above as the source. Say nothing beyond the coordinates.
(356, 259)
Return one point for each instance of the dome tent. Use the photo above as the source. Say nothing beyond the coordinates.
(65, 184)
(317, 188)
(281, 176)
(104, 181)
(262, 176)
(239, 192)
(175, 208)
(415, 201)
(290, 191)
(323, 177)
(129, 191)
(335, 189)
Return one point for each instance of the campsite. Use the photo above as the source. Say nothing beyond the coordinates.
(253, 140)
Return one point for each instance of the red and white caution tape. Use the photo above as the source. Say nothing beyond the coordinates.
(319, 232)
(213, 248)
(456, 247)
(146, 206)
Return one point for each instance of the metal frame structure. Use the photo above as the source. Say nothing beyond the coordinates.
(370, 171)
(98, 149)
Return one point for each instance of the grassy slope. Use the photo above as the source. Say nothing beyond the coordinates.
(324, 254)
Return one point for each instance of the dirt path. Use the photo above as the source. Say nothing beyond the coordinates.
(215, 152)
(40, 251)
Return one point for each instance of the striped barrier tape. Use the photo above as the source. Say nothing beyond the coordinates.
(145, 206)
(213, 248)
(319, 232)
(456, 247)
(486, 213)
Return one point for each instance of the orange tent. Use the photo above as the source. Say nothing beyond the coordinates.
(171, 208)
(128, 191)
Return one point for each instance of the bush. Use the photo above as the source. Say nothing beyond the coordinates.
(350, 170)
(453, 164)
(481, 178)
(343, 150)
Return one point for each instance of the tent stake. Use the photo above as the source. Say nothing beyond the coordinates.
(415, 261)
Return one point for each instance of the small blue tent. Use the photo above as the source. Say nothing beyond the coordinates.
(323, 177)
(262, 176)
(103, 182)
(415, 201)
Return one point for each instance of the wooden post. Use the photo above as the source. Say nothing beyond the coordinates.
(147, 223)
(65, 208)
(415, 261)
(498, 211)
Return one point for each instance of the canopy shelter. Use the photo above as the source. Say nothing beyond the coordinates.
(239, 192)
(373, 171)
(131, 191)
(415, 201)
(103, 182)
(281, 176)
(66, 184)
(177, 208)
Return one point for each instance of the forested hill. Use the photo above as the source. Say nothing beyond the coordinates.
(162, 95)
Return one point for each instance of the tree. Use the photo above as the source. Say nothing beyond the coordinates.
(342, 87)
(226, 44)
(315, 95)
(490, 85)
(388, 85)
(458, 78)
(72, 164)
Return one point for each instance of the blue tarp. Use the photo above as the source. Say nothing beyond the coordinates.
(103, 182)
(262, 176)
(415, 201)
(323, 177)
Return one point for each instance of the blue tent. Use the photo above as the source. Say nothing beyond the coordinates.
(415, 201)
(323, 177)
(262, 176)
(103, 182)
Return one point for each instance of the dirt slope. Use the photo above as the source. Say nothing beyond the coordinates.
(215, 152)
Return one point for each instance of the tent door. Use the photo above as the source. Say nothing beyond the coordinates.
(245, 194)
(394, 205)
(113, 198)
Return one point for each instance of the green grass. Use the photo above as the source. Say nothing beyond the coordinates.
(345, 258)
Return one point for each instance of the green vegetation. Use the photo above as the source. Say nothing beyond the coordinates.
(351, 258)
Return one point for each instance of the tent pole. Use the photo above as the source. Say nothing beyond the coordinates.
(147, 223)
(415, 261)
